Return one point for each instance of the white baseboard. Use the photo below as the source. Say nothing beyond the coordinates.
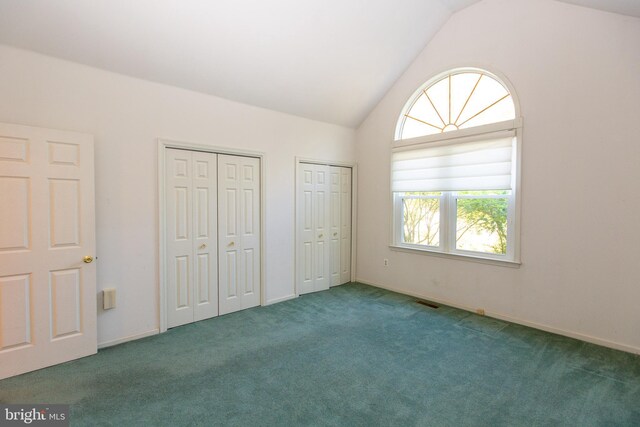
(542, 327)
(129, 338)
(281, 299)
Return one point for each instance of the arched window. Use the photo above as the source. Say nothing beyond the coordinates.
(458, 100)
(454, 168)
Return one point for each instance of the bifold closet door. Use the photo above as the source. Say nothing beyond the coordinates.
(323, 227)
(239, 232)
(191, 237)
(313, 228)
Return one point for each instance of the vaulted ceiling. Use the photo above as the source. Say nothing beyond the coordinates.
(329, 60)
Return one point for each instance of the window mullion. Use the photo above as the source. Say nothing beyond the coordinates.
(444, 221)
(452, 222)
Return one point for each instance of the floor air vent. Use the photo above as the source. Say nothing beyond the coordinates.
(428, 304)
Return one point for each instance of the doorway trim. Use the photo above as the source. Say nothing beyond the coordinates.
(163, 144)
(354, 211)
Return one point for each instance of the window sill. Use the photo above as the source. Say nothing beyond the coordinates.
(478, 259)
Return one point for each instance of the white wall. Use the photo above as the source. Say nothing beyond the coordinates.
(577, 74)
(126, 116)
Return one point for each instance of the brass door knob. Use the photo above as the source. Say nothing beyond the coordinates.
(203, 246)
(320, 236)
(88, 259)
(231, 244)
(335, 234)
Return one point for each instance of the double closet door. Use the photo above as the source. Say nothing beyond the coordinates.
(323, 227)
(212, 213)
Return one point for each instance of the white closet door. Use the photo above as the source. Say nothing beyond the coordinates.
(47, 241)
(205, 235)
(239, 232)
(305, 229)
(345, 225)
(335, 218)
(313, 228)
(179, 237)
(191, 236)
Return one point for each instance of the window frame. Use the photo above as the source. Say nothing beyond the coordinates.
(448, 202)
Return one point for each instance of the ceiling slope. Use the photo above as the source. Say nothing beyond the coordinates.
(329, 60)
(623, 7)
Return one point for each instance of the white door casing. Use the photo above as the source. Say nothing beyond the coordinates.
(47, 228)
(239, 232)
(191, 236)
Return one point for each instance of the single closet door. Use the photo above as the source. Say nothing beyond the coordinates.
(191, 237)
(239, 231)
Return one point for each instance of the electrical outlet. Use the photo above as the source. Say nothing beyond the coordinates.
(480, 311)
(109, 298)
(386, 262)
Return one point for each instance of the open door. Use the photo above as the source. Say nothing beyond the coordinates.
(47, 246)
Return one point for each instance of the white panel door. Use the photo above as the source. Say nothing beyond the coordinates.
(345, 225)
(205, 235)
(179, 237)
(305, 229)
(191, 244)
(47, 228)
(239, 232)
(313, 228)
(335, 217)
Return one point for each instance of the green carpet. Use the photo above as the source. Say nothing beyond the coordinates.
(352, 356)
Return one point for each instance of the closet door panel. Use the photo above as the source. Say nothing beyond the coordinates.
(316, 222)
(305, 218)
(239, 232)
(322, 211)
(334, 224)
(179, 237)
(228, 242)
(250, 216)
(345, 224)
(205, 239)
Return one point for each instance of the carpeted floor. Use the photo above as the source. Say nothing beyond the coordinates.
(352, 356)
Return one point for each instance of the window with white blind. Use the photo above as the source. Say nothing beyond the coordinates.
(454, 168)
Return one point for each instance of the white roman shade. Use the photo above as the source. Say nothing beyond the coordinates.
(485, 164)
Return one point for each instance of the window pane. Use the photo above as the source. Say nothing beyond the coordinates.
(462, 87)
(424, 112)
(439, 95)
(413, 128)
(481, 225)
(488, 92)
(421, 224)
